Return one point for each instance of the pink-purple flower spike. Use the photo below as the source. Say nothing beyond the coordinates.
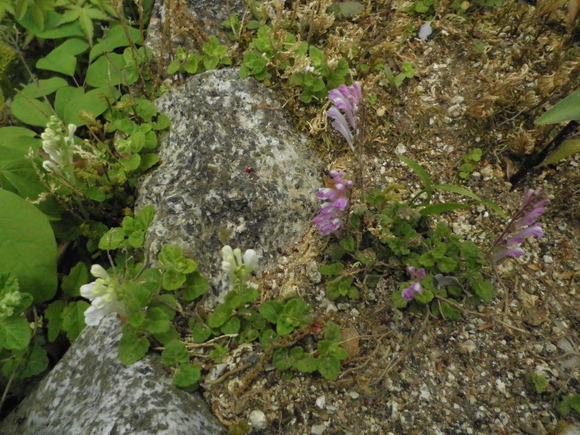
(336, 202)
(523, 224)
(417, 275)
(346, 99)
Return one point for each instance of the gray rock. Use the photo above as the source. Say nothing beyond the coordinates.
(234, 172)
(90, 392)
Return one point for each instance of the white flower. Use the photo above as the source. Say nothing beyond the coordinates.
(250, 258)
(234, 263)
(102, 295)
(59, 145)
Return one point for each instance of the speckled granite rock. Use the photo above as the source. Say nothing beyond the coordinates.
(234, 172)
(90, 392)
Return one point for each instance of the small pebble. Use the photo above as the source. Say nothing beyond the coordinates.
(318, 429)
(258, 419)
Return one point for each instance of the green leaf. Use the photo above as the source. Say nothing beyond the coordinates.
(65, 95)
(187, 375)
(376, 198)
(50, 28)
(441, 208)
(200, 332)
(329, 367)
(368, 257)
(15, 333)
(106, 71)
(220, 315)
(484, 289)
(308, 364)
(569, 403)
(53, 316)
(249, 335)
(332, 332)
(446, 264)
(19, 176)
(195, 286)
(175, 353)
(449, 311)
(465, 192)
(167, 336)
(95, 194)
(271, 310)
(566, 149)
(282, 360)
(31, 111)
(567, 109)
(112, 239)
(421, 173)
(157, 321)
(72, 282)
(35, 362)
(27, 246)
(232, 326)
(73, 319)
(348, 244)
(115, 37)
(331, 269)
(62, 59)
(95, 102)
(132, 347)
(540, 382)
(41, 88)
(267, 337)
(425, 297)
(172, 280)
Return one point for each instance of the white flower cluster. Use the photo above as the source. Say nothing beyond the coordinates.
(101, 293)
(59, 147)
(234, 263)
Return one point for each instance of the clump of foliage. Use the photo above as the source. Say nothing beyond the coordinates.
(279, 53)
(470, 163)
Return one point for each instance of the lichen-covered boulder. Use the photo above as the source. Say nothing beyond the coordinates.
(90, 392)
(234, 172)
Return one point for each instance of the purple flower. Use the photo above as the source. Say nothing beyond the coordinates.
(331, 212)
(346, 99)
(417, 275)
(522, 224)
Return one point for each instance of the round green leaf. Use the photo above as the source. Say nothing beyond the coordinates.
(73, 319)
(14, 333)
(132, 347)
(27, 246)
(175, 352)
(187, 375)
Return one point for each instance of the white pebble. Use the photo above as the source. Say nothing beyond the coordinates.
(258, 419)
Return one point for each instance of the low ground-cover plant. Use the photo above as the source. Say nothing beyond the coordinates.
(279, 53)
(384, 235)
(149, 301)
